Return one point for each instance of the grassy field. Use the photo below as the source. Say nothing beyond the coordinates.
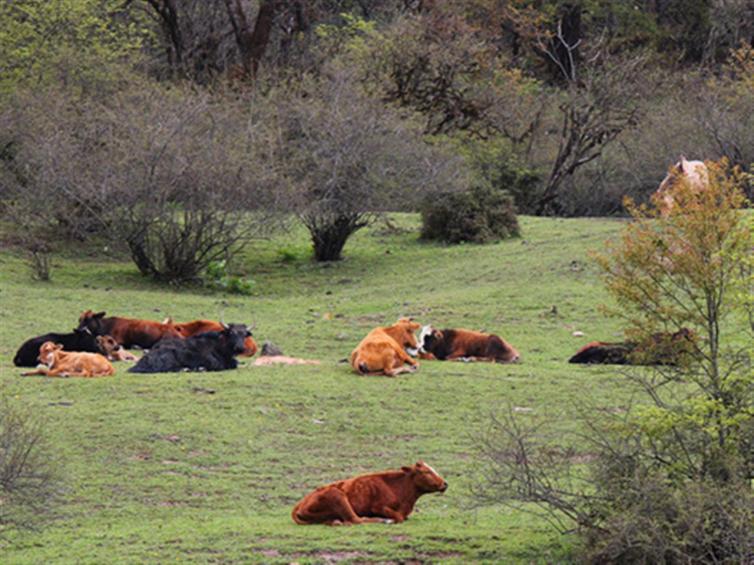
(156, 469)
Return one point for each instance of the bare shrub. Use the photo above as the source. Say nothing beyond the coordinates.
(29, 477)
(169, 173)
(346, 158)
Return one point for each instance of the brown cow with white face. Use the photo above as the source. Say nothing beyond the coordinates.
(384, 350)
(385, 497)
(465, 345)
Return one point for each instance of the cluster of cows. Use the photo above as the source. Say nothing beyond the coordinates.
(88, 350)
(388, 496)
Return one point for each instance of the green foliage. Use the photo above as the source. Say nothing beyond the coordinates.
(74, 42)
(494, 163)
(218, 278)
(482, 214)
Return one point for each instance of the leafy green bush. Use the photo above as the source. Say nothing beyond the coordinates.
(217, 278)
(480, 215)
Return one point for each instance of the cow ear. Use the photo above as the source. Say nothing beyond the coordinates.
(58, 346)
(98, 315)
(406, 469)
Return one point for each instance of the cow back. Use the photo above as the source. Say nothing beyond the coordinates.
(27, 354)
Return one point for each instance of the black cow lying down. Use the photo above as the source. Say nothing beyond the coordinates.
(659, 349)
(77, 340)
(211, 351)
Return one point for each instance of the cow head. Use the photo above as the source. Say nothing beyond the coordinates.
(428, 337)
(107, 344)
(235, 336)
(693, 173)
(47, 352)
(403, 332)
(91, 322)
(425, 478)
(510, 355)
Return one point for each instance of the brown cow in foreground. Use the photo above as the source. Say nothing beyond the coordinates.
(196, 327)
(385, 497)
(61, 363)
(127, 331)
(383, 350)
(465, 345)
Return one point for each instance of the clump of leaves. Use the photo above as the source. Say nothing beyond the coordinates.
(218, 278)
(482, 214)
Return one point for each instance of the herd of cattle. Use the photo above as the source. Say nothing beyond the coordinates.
(208, 345)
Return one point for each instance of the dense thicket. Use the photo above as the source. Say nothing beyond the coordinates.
(585, 100)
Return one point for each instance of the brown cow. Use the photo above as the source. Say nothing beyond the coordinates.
(113, 350)
(127, 331)
(662, 348)
(465, 345)
(385, 497)
(196, 327)
(695, 173)
(61, 363)
(383, 350)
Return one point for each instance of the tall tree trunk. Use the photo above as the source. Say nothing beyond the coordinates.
(252, 43)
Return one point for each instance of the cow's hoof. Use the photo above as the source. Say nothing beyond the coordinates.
(413, 368)
(388, 521)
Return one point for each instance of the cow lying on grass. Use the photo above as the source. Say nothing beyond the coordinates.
(128, 332)
(660, 349)
(113, 350)
(196, 327)
(59, 363)
(385, 497)
(211, 351)
(383, 350)
(78, 340)
(464, 345)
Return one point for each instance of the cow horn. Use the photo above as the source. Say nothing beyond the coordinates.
(224, 325)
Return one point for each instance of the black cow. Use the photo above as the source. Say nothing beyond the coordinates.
(662, 348)
(77, 340)
(211, 351)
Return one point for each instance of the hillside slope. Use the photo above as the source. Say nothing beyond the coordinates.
(207, 466)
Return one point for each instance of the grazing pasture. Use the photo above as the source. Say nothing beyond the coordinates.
(206, 467)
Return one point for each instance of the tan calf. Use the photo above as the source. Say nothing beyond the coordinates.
(59, 363)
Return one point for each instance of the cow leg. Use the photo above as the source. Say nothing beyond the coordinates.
(38, 371)
(395, 366)
(392, 515)
(330, 507)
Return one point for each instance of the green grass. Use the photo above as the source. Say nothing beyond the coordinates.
(156, 470)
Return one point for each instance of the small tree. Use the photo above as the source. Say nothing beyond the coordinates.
(685, 452)
(346, 158)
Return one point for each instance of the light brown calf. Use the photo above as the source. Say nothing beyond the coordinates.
(113, 350)
(61, 363)
(383, 350)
